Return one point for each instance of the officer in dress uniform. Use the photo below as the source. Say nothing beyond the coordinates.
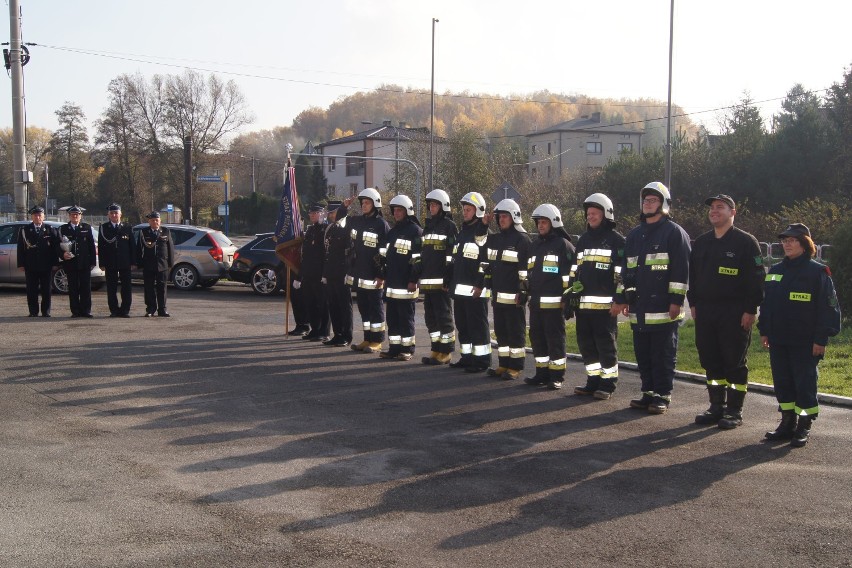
(155, 253)
(338, 243)
(506, 274)
(117, 256)
(78, 261)
(310, 275)
(37, 245)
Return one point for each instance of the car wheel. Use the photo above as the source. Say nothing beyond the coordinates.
(185, 277)
(60, 281)
(264, 280)
(209, 283)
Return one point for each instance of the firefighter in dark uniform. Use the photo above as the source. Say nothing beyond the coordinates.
(338, 243)
(37, 245)
(548, 271)
(310, 274)
(655, 279)
(155, 253)
(595, 279)
(439, 238)
(400, 275)
(369, 233)
(78, 261)
(117, 255)
(798, 315)
(506, 274)
(467, 285)
(725, 288)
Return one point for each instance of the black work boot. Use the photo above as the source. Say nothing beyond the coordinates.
(659, 404)
(605, 389)
(712, 415)
(803, 431)
(642, 403)
(786, 428)
(592, 384)
(733, 415)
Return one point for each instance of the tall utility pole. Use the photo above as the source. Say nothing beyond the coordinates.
(432, 113)
(668, 180)
(188, 216)
(19, 127)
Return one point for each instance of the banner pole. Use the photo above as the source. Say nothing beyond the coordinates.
(287, 308)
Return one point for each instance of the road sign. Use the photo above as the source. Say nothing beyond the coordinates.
(170, 208)
(211, 179)
(223, 210)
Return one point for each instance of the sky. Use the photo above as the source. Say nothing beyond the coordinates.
(286, 56)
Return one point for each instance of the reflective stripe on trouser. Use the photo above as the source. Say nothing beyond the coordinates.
(510, 328)
(794, 375)
(372, 311)
(597, 333)
(400, 315)
(438, 313)
(722, 345)
(547, 335)
(471, 316)
(656, 355)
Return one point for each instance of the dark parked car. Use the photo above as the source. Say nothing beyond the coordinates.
(256, 264)
(9, 272)
(204, 255)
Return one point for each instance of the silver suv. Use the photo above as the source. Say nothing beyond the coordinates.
(9, 272)
(204, 255)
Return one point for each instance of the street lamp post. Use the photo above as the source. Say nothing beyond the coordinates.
(668, 180)
(431, 117)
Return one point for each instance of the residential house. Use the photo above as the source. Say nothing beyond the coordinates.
(582, 142)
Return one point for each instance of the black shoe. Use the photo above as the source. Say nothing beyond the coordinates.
(47, 315)
(336, 342)
(124, 315)
(113, 314)
(710, 416)
(460, 364)
(149, 314)
(33, 315)
(602, 394)
(164, 314)
(802, 433)
(554, 385)
(642, 403)
(786, 429)
(322, 338)
(86, 316)
(731, 419)
(659, 405)
(310, 336)
(475, 369)
(535, 381)
(299, 330)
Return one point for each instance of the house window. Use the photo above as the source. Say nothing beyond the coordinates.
(548, 152)
(625, 147)
(594, 147)
(353, 189)
(534, 146)
(332, 164)
(354, 166)
(331, 189)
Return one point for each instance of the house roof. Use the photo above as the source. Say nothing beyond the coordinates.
(587, 124)
(385, 132)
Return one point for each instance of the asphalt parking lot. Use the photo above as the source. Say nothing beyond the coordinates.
(208, 439)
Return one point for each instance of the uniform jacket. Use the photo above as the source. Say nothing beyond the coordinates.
(403, 252)
(469, 253)
(115, 246)
(38, 252)
(338, 246)
(85, 256)
(155, 253)
(548, 269)
(596, 275)
(726, 271)
(439, 238)
(313, 253)
(369, 236)
(506, 269)
(800, 306)
(656, 273)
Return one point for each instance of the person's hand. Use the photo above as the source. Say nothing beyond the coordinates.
(764, 342)
(67, 255)
(323, 280)
(819, 350)
(445, 288)
(297, 284)
(674, 311)
(412, 286)
(747, 321)
(477, 292)
(618, 309)
(486, 218)
(380, 282)
(348, 201)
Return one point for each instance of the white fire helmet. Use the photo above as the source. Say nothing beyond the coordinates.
(601, 201)
(660, 191)
(475, 198)
(548, 211)
(441, 197)
(514, 210)
(402, 201)
(371, 193)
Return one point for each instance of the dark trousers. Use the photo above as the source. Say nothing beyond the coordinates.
(795, 374)
(547, 336)
(340, 309)
(38, 284)
(79, 290)
(316, 306)
(656, 356)
(372, 311)
(155, 290)
(510, 327)
(438, 313)
(113, 277)
(400, 325)
(722, 345)
(471, 315)
(597, 334)
(300, 313)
